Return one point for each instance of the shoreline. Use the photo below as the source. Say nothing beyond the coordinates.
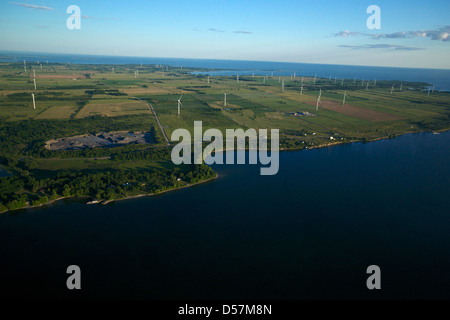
(333, 144)
(105, 202)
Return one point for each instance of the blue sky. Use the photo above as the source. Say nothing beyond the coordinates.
(413, 33)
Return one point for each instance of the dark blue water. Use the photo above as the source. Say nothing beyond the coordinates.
(437, 77)
(309, 232)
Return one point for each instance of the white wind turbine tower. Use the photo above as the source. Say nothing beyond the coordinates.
(34, 103)
(342, 82)
(279, 79)
(295, 75)
(401, 87)
(318, 100)
(34, 73)
(34, 81)
(392, 89)
(41, 66)
(301, 91)
(264, 80)
(345, 94)
(179, 105)
(367, 86)
(315, 78)
(208, 79)
(282, 86)
(237, 78)
(225, 99)
(302, 81)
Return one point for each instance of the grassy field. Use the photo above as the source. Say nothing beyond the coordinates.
(66, 92)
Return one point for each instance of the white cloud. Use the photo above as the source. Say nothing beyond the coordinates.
(438, 34)
(31, 6)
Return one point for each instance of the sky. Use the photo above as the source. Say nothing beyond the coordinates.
(413, 33)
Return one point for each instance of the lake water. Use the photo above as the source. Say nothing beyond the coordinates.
(439, 78)
(308, 232)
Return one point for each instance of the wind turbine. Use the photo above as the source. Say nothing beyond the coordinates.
(282, 86)
(208, 79)
(34, 73)
(342, 82)
(225, 99)
(315, 78)
(401, 87)
(392, 89)
(179, 104)
(367, 86)
(302, 81)
(345, 94)
(34, 103)
(301, 91)
(34, 81)
(317, 104)
(41, 66)
(237, 78)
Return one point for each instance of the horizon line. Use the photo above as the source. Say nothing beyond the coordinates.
(216, 59)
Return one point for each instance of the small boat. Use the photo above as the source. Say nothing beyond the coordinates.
(93, 202)
(435, 132)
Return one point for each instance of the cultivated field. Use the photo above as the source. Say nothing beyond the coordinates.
(369, 112)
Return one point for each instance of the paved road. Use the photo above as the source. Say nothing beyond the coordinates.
(157, 119)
